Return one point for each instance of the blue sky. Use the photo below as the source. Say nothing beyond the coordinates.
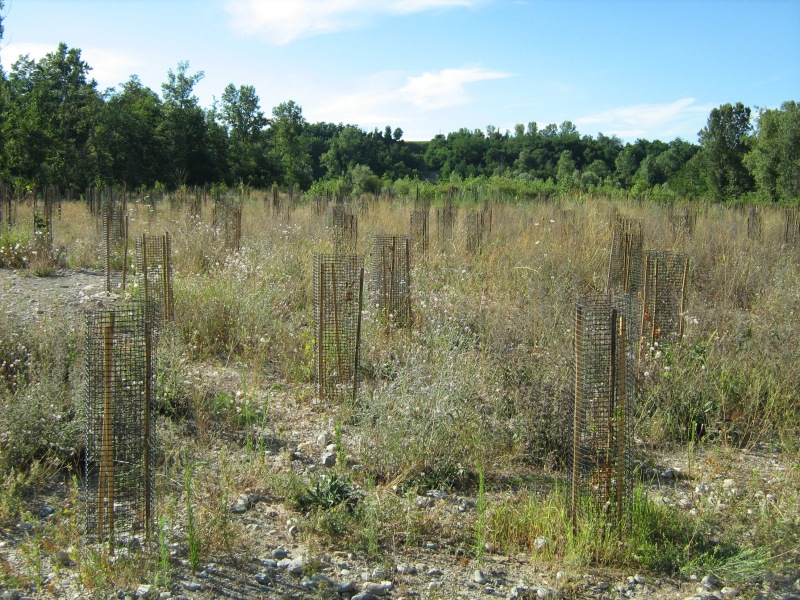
(649, 69)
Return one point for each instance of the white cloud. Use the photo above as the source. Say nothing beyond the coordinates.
(108, 67)
(445, 88)
(280, 22)
(682, 118)
(391, 98)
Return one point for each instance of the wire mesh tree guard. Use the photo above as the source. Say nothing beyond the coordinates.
(119, 419)
(115, 244)
(478, 226)
(625, 261)
(391, 279)
(791, 230)
(754, 223)
(344, 226)
(154, 270)
(338, 300)
(446, 218)
(227, 221)
(601, 428)
(666, 277)
(8, 205)
(420, 231)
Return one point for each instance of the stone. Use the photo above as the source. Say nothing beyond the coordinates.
(379, 573)
(295, 566)
(638, 579)
(729, 592)
(346, 587)
(328, 459)
(376, 589)
(479, 577)
(279, 553)
(323, 439)
(710, 582)
(603, 585)
(434, 572)
(64, 559)
(241, 505)
(541, 543)
(406, 569)
(143, 591)
(263, 578)
(190, 586)
(364, 596)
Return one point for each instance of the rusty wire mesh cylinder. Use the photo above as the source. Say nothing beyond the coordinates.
(600, 459)
(478, 226)
(227, 221)
(420, 231)
(625, 261)
(154, 270)
(446, 218)
(338, 300)
(791, 230)
(7, 205)
(115, 245)
(754, 223)
(119, 418)
(391, 279)
(666, 277)
(344, 224)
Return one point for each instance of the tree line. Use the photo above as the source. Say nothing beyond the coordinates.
(57, 127)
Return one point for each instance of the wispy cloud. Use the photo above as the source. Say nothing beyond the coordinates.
(442, 89)
(108, 67)
(280, 22)
(682, 118)
(382, 98)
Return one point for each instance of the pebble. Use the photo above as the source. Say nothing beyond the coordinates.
(190, 586)
(346, 587)
(364, 596)
(710, 582)
(434, 572)
(406, 569)
(541, 543)
(376, 589)
(295, 566)
(263, 578)
(479, 577)
(143, 591)
(328, 459)
(603, 585)
(379, 573)
(279, 553)
(729, 592)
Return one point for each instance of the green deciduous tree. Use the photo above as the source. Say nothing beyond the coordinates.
(241, 114)
(133, 117)
(774, 160)
(290, 144)
(724, 142)
(183, 128)
(54, 130)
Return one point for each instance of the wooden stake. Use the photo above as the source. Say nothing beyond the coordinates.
(148, 392)
(106, 493)
(576, 418)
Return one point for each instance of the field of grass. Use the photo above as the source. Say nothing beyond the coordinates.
(473, 400)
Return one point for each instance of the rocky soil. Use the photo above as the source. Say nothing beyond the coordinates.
(283, 561)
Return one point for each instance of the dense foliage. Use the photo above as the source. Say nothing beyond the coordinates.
(56, 127)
